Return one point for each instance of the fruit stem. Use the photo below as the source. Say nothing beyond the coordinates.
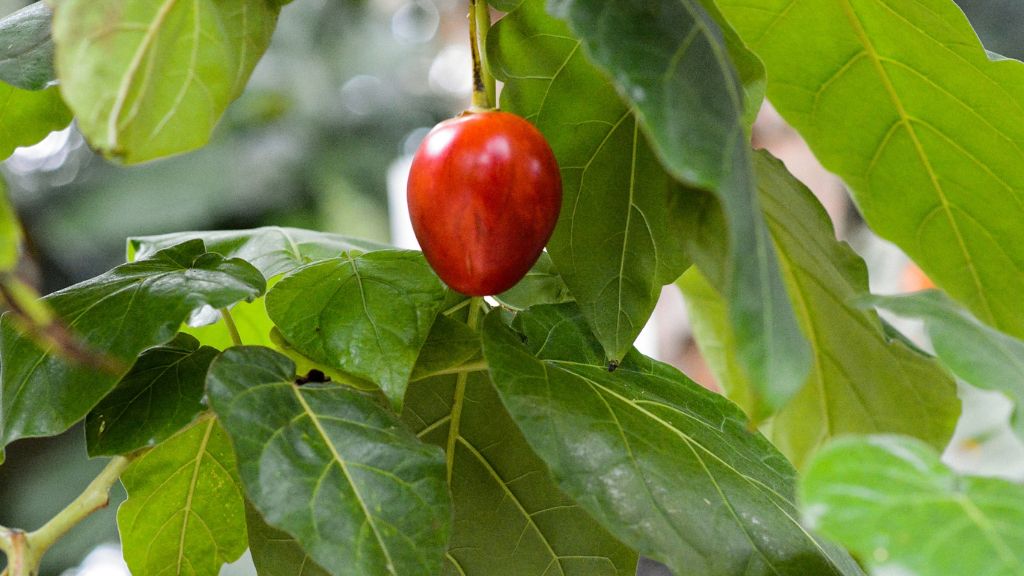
(483, 81)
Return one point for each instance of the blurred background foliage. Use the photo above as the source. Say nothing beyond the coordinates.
(345, 92)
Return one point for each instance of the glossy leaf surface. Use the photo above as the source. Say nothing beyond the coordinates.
(668, 467)
(892, 501)
(26, 50)
(332, 468)
(150, 79)
(905, 105)
(861, 381)
(161, 394)
(118, 314)
(272, 249)
(365, 315)
(184, 514)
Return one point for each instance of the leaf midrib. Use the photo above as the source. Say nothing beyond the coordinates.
(186, 512)
(555, 557)
(133, 68)
(904, 119)
(343, 465)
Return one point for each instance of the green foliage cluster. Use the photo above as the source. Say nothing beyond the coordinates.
(345, 413)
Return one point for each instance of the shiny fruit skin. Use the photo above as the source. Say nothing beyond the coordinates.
(484, 193)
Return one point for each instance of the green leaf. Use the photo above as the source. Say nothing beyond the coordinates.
(449, 345)
(274, 552)
(973, 351)
(510, 517)
(150, 79)
(617, 241)
(184, 513)
(272, 249)
(749, 68)
(861, 381)
(161, 394)
(894, 504)
(541, 285)
(666, 466)
(365, 315)
(27, 116)
(332, 468)
(903, 103)
(669, 59)
(10, 233)
(118, 314)
(26, 50)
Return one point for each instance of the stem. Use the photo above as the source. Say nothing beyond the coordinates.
(460, 396)
(25, 551)
(232, 328)
(483, 81)
(95, 497)
(18, 561)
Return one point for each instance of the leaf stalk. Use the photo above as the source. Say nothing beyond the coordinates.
(460, 396)
(25, 550)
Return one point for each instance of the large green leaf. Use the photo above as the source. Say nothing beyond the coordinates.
(616, 242)
(332, 468)
(510, 517)
(272, 249)
(893, 503)
(668, 467)
(904, 104)
(184, 514)
(27, 116)
(669, 59)
(973, 351)
(861, 381)
(365, 315)
(26, 50)
(749, 68)
(161, 394)
(275, 552)
(150, 79)
(119, 314)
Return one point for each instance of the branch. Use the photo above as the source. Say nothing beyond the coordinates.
(25, 551)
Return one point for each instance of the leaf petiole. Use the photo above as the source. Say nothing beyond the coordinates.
(460, 395)
(25, 551)
(236, 338)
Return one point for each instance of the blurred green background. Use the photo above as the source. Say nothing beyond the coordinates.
(346, 90)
